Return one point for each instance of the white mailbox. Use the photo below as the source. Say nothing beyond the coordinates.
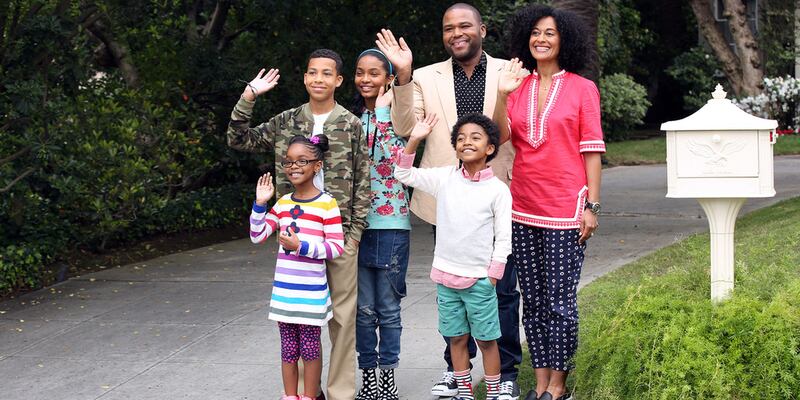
(720, 155)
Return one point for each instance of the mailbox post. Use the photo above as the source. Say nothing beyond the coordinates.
(721, 156)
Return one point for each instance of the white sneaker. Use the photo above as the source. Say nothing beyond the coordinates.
(446, 387)
(508, 391)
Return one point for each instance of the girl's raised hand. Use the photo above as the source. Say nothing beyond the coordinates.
(264, 189)
(396, 51)
(424, 127)
(384, 98)
(263, 82)
(510, 77)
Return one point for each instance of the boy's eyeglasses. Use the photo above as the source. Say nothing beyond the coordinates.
(300, 163)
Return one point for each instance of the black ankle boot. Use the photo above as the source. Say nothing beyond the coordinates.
(388, 387)
(369, 385)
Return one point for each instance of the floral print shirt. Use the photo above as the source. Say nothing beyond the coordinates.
(389, 197)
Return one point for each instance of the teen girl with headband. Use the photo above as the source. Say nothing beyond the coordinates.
(383, 252)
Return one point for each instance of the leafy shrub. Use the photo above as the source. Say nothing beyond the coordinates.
(649, 330)
(697, 73)
(780, 100)
(624, 104)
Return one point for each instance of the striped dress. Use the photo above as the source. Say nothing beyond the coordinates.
(300, 292)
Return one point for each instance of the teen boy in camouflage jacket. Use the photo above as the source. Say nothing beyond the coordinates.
(346, 167)
(346, 177)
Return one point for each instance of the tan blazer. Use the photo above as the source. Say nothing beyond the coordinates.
(432, 91)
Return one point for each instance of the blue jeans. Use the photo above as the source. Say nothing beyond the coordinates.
(382, 266)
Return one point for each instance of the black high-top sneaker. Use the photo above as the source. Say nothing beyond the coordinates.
(369, 385)
(388, 388)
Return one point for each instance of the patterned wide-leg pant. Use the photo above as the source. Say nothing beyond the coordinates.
(549, 265)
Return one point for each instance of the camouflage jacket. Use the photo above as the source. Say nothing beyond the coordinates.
(346, 166)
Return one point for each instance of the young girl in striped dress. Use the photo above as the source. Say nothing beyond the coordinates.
(310, 232)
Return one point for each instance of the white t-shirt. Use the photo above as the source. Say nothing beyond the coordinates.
(319, 122)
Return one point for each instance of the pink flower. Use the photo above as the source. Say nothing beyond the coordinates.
(384, 169)
(385, 209)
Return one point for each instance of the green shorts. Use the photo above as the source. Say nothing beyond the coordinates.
(472, 310)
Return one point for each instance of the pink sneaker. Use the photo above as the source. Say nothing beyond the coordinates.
(285, 397)
(305, 398)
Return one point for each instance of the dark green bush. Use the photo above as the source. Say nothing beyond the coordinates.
(650, 331)
(697, 72)
(624, 103)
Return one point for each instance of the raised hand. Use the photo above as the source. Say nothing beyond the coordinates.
(264, 189)
(262, 83)
(384, 99)
(398, 52)
(510, 77)
(424, 127)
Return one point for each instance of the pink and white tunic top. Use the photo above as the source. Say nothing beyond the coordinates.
(549, 184)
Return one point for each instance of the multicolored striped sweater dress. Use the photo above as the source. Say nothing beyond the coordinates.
(300, 292)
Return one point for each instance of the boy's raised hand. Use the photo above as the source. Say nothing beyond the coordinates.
(424, 127)
(510, 77)
(264, 189)
(397, 51)
(262, 83)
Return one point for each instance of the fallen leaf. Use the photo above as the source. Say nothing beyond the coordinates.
(92, 279)
(105, 387)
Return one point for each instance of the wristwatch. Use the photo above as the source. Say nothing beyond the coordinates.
(593, 207)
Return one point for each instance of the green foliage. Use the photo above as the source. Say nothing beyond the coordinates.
(649, 330)
(620, 36)
(776, 37)
(624, 103)
(697, 73)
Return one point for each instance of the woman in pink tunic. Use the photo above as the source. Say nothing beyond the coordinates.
(552, 117)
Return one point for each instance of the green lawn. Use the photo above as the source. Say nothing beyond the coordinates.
(654, 151)
(649, 331)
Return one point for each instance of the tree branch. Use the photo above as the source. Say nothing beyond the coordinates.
(16, 155)
(118, 50)
(215, 26)
(713, 35)
(17, 179)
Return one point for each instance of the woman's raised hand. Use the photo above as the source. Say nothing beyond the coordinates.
(262, 83)
(397, 51)
(264, 189)
(510, 77)
(424, 127)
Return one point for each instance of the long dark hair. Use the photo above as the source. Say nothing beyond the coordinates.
(358, 104)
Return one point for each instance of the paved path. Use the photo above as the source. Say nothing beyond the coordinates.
(193, 324)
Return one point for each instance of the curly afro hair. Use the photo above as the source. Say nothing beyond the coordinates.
(575, 44)
(489, 127)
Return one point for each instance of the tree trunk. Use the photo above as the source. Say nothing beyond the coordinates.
(716, 40)
(749, 55)
(588, 11)
(797, 39)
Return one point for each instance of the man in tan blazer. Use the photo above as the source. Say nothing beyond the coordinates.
(466, 82)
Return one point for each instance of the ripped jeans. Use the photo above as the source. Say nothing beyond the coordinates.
(382, 265)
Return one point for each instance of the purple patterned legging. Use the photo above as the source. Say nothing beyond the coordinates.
(299, 340)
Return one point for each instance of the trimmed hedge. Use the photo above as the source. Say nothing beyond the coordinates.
(22, 265)
(650, 331)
